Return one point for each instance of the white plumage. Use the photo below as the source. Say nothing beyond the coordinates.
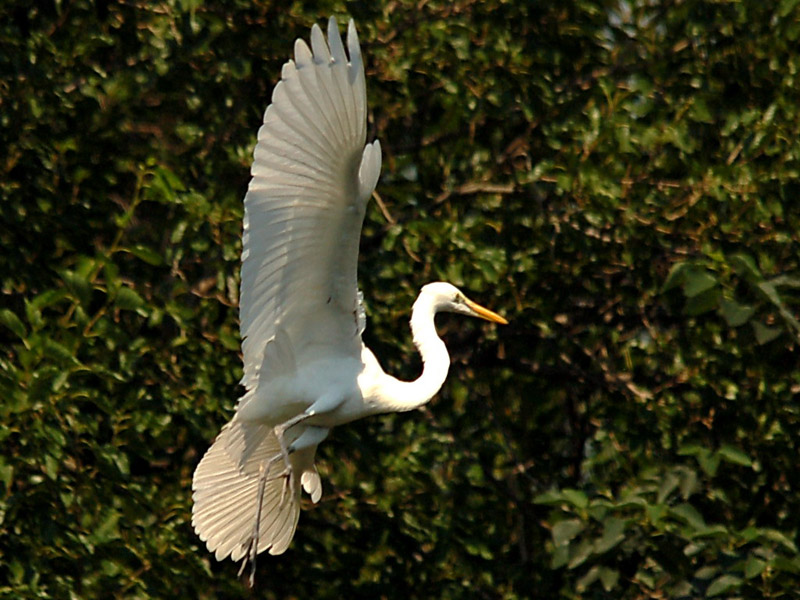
(305, 367)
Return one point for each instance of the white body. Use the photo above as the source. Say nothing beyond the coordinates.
(305, 367)
(290, 395)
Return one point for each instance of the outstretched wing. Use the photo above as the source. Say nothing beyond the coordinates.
(312, 177)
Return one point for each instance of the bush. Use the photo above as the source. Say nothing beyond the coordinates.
(615, 177)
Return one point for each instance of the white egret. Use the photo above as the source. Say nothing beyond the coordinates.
(305, 367)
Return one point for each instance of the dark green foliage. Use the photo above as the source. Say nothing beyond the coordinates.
(618, 178)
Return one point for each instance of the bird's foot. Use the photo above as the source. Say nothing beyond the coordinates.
(250, 557)
(252, 549)
(264, 476)
(288, 472)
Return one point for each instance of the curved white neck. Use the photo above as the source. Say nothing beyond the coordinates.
(398, 396)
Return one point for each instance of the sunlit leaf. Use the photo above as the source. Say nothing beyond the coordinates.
(13, 322)
(697, 282)
(735, 455)
(564, 531)
(613, 534)
(746, 266)
(146, 254)
(754, 567)
(128, 299)
(690, 514)
(722, 585)
(609, 578)
(676, 276)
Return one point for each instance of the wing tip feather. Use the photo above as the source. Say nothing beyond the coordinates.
(370, 169)
(320, 48)
(335, 42)
(302, 53)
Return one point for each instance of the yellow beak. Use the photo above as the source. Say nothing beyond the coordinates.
(485, 313)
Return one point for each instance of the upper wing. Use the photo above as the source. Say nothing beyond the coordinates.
(312, 177)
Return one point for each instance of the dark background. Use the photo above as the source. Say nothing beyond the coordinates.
(619, 179)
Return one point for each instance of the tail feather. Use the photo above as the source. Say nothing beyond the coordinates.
(225, 492)
(312, 484)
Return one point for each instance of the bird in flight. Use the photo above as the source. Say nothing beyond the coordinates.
(306, 368)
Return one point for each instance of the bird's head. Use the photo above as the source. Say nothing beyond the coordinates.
(447, 297)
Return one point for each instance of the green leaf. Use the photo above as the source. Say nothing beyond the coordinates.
(700, 111)
(689, 513)
(588, 578)
(723, 584)
(690, 449)
(229, 339)
(112, 278)
(656, 512)
(676, 276)
(613, 534)
(58, 352)
(785, 281)
(579, 555)
(786, 565)
(703, 302)
(689, 483)
(550, 497)
(709, 462)
(754, 567)
(78, 284)
(718, 531)
(107, 528)
(17, 572)
(165, 185)
(576, 497)
(765, 334)
(773, 535)
(51, 466)
(706, 572)
(13, 322)
(734, 313)
(746, 267)
(128, 299)
(697, 282)
(669, 482)
(771, 292)
(787, 6)
(564, 531)
(560, 556)
(146, 254)
(33, 315)
(6, 474)
(570, 496)
(734, 455)
(49, 298)
(609, 578)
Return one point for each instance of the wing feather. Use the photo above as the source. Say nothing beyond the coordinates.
(312, 176)
(325, 81)
(225, 494)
